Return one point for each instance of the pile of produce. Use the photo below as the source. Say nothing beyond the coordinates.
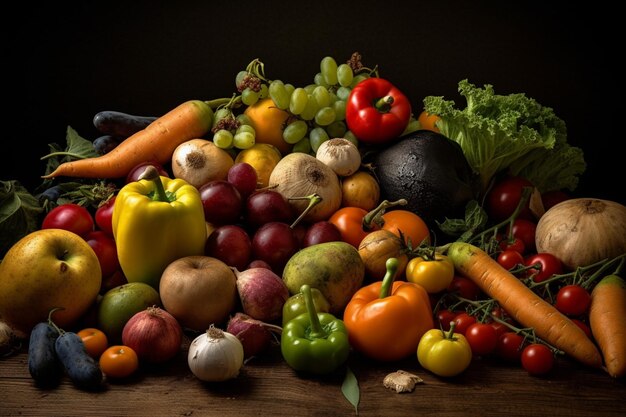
(333, 213)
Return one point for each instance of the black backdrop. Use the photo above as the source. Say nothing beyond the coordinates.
(65, 62)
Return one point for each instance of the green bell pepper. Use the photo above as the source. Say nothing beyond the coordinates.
(296, 305)
(157, 220)
(314, 342)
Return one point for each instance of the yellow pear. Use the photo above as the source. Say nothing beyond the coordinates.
(47, 269)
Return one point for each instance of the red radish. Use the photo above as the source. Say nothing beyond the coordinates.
(262, 293)
(254, 335)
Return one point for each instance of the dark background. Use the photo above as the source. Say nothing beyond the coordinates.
(65, 62)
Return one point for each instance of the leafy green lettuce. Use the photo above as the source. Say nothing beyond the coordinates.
(509, 133)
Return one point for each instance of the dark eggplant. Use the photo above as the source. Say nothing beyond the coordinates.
(106, 143)
(43, 364)
(81, 368)
(430, 171)
(119, 124)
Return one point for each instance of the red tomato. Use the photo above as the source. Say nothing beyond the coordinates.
(463, 321)
(573, 300)
(444, 317)
(70, 216)
(464, 287)
(513, 243)
(509, 346)
(550, 199)
(510, 258)
(119, 361)
(104, 216)
(524, 230)
(548, 265)
(95, 341)
(503, 198)
(500, 328)
(482, 338)
(106, 251)
(537, 359)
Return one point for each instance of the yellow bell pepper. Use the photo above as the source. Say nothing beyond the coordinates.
(444, 353)
(157, 220)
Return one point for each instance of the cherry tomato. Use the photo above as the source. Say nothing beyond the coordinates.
(550, 199)
(482, 338)
(509, 346)
(463, 321)
(503, 198)
(95, 341)
(524, 230)
(573, 300)
(464, 287)
(510, 258)
(583, 326)
(106, 251)
(413, 228)
(69, 216)
(512, 243)
(104, 216)
(119, 361)
(500, 328)
(548, 265)
(444, 317)
(537, 359)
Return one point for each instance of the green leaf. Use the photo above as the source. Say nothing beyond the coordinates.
(76, 148)
(19, 214)
(474, 221)
(350, 390)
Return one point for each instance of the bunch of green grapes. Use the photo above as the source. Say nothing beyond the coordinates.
(230, 131)
(318, 109)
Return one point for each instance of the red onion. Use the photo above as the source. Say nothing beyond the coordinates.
(254, 335)
(262, 293)
(154, 334)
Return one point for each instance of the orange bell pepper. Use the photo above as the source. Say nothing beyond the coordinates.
(386, 319)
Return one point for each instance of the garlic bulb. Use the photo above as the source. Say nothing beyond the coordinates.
(215, 355)
(341, 155)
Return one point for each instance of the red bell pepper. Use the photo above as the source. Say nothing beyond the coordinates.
(376, 111)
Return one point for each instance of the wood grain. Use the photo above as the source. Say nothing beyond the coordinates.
(267, 386)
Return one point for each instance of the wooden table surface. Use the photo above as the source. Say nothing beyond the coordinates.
(266, 386)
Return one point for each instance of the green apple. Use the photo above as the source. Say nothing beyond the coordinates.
(48, 269)
(120, 303)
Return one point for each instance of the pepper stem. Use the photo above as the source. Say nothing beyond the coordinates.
(383, 104)
(317, 331)
(376, 215)
(392, 268)
(151, 174)
(449, 335)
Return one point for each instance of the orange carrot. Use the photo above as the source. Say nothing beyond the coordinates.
(607, 319)
(521, 303)
(189, 120)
